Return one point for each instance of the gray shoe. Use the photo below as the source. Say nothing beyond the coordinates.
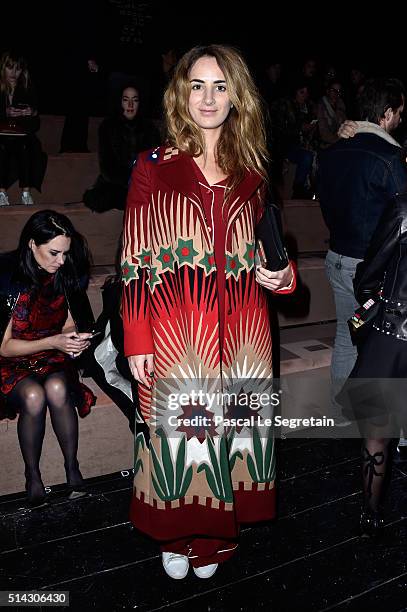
(4, 199)
(341, 421)
(26, 199)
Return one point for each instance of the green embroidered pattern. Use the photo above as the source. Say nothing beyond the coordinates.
(233, 265)
(186, 252)
(249, 255)
(208, 262)
(128, 271)
(166, 258)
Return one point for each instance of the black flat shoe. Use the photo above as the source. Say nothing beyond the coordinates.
(371, 521)
(76, 491)
(35, 500)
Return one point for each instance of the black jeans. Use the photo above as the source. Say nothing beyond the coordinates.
(17, 160)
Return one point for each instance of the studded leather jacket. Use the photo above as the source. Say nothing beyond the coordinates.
(384, 270)
(11, 286)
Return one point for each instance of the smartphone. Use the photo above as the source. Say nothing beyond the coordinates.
(94, 334)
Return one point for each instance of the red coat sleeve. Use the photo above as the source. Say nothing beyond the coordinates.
(136, 257)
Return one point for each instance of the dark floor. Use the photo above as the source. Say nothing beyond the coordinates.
(311, 558)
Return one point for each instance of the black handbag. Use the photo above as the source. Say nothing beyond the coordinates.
(270, 249)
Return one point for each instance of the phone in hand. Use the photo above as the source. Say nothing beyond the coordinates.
(94, 334)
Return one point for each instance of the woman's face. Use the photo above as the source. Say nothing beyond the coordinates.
(334, 92)
(51, 255)
(12, 72)
(209, 102)
(301, 95)
(130, 102)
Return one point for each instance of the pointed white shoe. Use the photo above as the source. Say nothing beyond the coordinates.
(26, 199)
(4, 201)
(176, 566)
(206, 571)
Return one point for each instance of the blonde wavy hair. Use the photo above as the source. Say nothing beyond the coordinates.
(242, 143)
(8, 60)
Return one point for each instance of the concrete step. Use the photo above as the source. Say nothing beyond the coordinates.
(66, 179)
(304, 227)
(50, 133)
(313, 301)
(102, 231)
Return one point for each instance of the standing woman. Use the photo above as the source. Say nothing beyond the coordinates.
(45, 317)
(21, 156)
(195, 312)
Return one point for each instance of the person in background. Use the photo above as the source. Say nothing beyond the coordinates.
(45, 323)
(121, 137)
(195, 312)
(21, 156)
(331, 113)
(293, 126)
(358, 178)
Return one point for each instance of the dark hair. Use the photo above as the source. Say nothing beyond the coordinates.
(42, 227)
(378, 96)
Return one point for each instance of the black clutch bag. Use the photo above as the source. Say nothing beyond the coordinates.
(270, 249)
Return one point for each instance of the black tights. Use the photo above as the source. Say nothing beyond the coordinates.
(375, 471)
(32, 399)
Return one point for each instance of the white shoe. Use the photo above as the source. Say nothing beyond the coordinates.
(176, 566)
(26, 199)
(342, 421)
(4, 199)
(206, 571)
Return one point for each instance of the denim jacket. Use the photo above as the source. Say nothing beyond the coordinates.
(357, 178)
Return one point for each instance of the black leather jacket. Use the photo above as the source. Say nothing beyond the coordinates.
(11, 287)
(385, 268)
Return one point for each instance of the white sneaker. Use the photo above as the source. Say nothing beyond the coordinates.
(206, 571)
(176, 566)
(4, 199)
(26, 199)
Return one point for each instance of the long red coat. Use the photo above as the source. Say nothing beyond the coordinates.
(199, 478)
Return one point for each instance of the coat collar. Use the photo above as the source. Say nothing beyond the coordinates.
(366, 127)
(174, 168)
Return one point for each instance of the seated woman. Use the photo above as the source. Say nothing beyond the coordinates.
(121, 137)
(45, 323)
(21, 156)
(331, 113)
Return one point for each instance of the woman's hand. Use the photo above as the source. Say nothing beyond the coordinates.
(11, 111)
(275, 280)
(139, 364)
(348, 129)
(71, 343)
(27, 112)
